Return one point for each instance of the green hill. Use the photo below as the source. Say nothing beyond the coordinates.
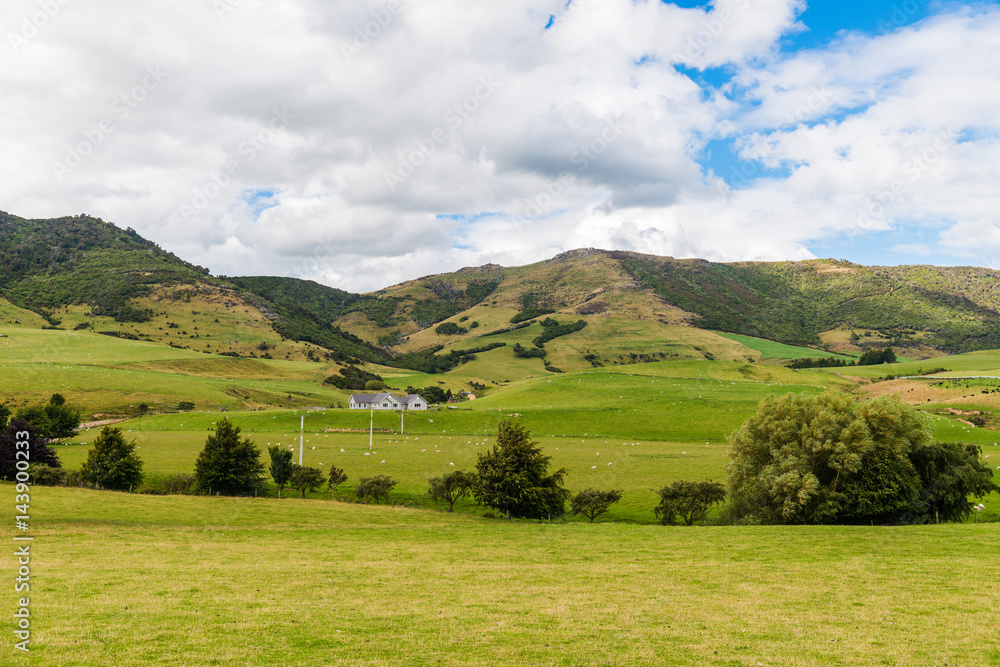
(81, 272)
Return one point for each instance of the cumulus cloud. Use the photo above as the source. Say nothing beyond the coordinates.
(365, 143)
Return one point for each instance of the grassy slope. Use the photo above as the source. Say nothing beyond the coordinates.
(260, 582)
(770, 349)
(106, 374)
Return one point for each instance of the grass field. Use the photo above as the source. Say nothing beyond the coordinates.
(130, 579)
(770, 349)
(135, 580)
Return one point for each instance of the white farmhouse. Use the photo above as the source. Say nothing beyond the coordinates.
(386, 401)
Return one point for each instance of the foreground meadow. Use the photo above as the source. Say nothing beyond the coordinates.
(121, 579)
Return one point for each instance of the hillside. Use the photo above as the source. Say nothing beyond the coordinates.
(834, 305)
(81, 272)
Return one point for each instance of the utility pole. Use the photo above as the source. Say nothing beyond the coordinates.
(302, 427)
(371, 428)
(401, 418)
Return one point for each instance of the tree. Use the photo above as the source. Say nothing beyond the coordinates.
(5, 413)
(337, 477)
(689, 500)
(375, 488)
(228, 464)
(305, 478)
(826, 458)
(281, 466)
(513, 477)
(433, 394)
(112, 462)
(949, 473)
(55, 420)
(38, 449)
(451, 487)
(593, 504)
(875, 357)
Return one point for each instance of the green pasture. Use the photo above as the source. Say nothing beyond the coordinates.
(770, 349)
(183, 580)
(986, 362)
(107, 374)
(171, 444)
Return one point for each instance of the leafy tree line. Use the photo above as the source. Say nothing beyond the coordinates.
(522, 352)
(497, 332)
(353, 378)
(552, 329)
(869, 358)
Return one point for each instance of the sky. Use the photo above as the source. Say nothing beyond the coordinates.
(361, 144)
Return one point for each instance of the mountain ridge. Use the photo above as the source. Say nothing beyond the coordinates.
(82, 262)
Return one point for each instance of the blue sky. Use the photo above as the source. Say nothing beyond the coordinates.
(361, 144)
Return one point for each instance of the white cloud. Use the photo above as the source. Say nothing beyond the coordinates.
(417, 137)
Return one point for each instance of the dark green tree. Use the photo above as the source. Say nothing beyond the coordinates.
(451, 487)
(5, 413)
(514, 477)
(305, 478)
(949, 473)
(433, 394)
(56, 420)
(875, 357)
(57, 399)
(688, 500)
(38, 448)
(336, 478)
(281, 466)
(229, 465)
(112, 462)
(375, 488)
(592, 503)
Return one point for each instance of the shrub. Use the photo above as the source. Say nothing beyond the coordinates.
(451, 487)
(592, 504)
(44, 475)
(450, 329)
(305, 478)
(375, 488)
(688, 500)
